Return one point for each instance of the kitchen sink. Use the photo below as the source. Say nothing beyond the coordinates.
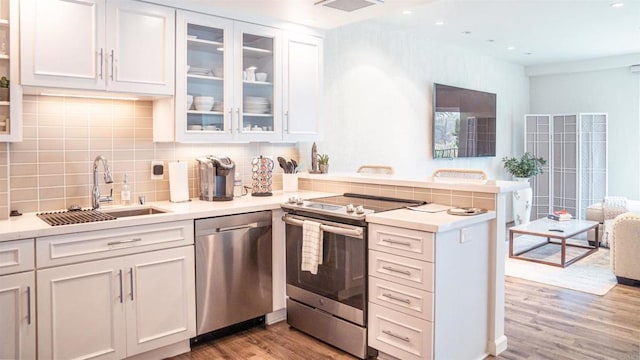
(134, 212)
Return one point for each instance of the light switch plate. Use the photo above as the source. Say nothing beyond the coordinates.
(154, 175)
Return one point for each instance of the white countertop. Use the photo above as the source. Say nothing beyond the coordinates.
(423, 221)
(29, 225)
(488, 186)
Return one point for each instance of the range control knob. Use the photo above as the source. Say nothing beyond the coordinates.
(359, 209)
(350, 208)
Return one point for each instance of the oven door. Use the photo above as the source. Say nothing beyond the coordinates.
(339, 287)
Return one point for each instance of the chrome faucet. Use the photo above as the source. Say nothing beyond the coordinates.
(95, 194)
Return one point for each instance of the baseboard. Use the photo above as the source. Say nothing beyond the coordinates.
(164, 352)
(497, 346)
(276, 316)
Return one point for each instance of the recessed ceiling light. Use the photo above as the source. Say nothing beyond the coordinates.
(490, 40)
(511, 48)
(407, 12)
(466, 32)
(439, 23)
(617, 4)
(527, 53)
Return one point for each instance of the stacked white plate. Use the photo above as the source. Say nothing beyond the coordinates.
(200, 71)
(256, 105)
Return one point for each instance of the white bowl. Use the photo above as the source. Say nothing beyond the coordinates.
(261, 76)
(203, 103)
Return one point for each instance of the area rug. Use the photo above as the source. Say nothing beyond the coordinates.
(591, 274)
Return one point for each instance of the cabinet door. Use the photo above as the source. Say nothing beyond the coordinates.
(63, 43)
(302, 80)
(204, 69)
(140, 47)
(80, 311)
(11, 105)
(258, 82)
(160, 291)
(17, 318)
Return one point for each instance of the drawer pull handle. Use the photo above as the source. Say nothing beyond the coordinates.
(404, 272)
(29, 305)
(403, 338)
(120, 277)
(403, 243)
(390, 296)
(124, 241)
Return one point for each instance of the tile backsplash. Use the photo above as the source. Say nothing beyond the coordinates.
(51, 168)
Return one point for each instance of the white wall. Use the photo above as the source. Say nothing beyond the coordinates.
(614, 91)
(378, 99)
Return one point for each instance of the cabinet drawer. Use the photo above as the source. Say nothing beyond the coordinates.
(410, 243)
(16, 256)
(408, 300)
(405, 337)
(92, 245)
(410, 272)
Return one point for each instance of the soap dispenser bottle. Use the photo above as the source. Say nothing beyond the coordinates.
(125, 192)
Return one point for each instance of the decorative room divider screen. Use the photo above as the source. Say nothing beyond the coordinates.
(575, 147)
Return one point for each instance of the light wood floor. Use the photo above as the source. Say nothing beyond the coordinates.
(542, 322)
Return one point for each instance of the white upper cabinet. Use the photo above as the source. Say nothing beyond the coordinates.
(228, 80)
(258, 82)
(114, 45)
(302, 79)
(11, 98)
(266, 84)
(204, 73)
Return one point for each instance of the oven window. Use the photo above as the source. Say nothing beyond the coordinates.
(342, 274)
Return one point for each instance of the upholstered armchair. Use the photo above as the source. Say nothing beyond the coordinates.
(605, 213)
(625, 248)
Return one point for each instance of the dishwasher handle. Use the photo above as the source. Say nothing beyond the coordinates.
(240, 227)
(214, 229)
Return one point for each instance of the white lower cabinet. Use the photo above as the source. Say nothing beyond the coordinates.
(428, 292)
(17, 300)
(17, 316)
(118, 307)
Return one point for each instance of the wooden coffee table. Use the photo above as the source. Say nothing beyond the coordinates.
(551, 229)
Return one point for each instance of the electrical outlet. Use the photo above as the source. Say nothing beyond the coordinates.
(466, 234)
(157, 170)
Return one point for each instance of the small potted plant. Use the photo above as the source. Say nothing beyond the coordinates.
(525, 167)
(323, 163)
(4, 89)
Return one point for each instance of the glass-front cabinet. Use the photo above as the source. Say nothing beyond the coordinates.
(227, 83)
(259, 116)
(10, 89)
(204, 69)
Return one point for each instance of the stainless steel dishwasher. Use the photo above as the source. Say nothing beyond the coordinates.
(233, 270)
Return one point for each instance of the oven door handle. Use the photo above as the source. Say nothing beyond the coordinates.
(354, 232)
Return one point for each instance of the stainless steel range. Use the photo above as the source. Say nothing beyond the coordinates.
(331, 305)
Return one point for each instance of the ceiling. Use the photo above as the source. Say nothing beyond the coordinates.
(527, 32)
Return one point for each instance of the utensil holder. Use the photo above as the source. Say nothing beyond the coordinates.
(289, 182)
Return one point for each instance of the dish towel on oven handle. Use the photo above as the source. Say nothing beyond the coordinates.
(311, 246)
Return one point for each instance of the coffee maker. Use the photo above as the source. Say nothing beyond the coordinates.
(216, 174)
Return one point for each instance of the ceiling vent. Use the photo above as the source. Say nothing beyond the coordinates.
(635, 68)
(348, 5)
